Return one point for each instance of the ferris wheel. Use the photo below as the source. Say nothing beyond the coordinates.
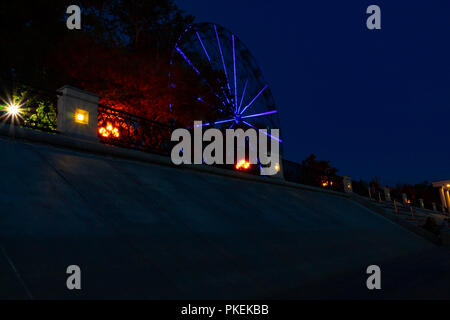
(235, 87)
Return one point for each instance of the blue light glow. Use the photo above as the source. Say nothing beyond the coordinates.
(224, 121)
(254, 99)
(187, 60)
(260, 114)
(201, 42)
(267, 134)
(234, 68)
(243, 95)
(223, 60)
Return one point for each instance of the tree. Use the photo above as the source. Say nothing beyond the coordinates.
(423, 190)
(319, 173)
(360, 187)
(124, 54)
(30, 32)
(121, 53)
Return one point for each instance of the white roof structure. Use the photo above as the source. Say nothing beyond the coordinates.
(444, 192)
(443, 183)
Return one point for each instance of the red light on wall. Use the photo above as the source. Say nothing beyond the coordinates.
(326, 183)
(109, 131)
(243, 165)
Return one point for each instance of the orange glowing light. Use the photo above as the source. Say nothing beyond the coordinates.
(109, 131)
(243, 165)
(326, 183)
(82, 116)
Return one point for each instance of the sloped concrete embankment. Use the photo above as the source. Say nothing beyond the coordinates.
(140, 230)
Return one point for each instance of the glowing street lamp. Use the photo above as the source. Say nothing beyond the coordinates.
(13, 109)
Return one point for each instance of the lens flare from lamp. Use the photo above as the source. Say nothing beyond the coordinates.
(13, 109)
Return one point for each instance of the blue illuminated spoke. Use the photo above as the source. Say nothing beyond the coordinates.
(202, 125)
(243, 95)
(260, 114)
(267, 134)
(187, 59)
(226, 97)
(223, 60)
(254, 99)
(198, 72)
(234, 67)
(217, 122)
(224, 121)
(203, 46)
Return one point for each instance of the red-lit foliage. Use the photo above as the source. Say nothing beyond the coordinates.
(122, 53)
(124, 79)
(136, 82)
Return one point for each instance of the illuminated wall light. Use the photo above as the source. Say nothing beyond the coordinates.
(81, 116)
(277, 167)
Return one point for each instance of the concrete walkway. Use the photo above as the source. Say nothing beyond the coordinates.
(147, 231)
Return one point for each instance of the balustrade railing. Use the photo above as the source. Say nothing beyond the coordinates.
(123, 129)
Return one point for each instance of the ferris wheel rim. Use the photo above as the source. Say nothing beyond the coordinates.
(239, 108)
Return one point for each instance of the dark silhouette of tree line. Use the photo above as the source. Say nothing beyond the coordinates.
(320, 173)
(313, 172)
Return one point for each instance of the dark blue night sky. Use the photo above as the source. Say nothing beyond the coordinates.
(375, 103)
